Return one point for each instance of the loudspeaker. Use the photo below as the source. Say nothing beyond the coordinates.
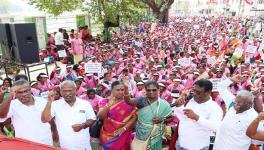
(5, 41)
(24, 43)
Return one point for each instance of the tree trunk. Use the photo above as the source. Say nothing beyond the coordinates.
(162, 16)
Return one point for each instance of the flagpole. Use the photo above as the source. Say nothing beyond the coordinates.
(239, 9)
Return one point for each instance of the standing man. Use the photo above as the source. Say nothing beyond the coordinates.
(231, 134)
(199, 117)
(73, 117)
(25, 113)
(59, 41)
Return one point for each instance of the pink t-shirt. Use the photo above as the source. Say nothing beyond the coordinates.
(165, 95)
(35, 92)
(102, 103)
(180, 87)
(90, 82)
(81, 91)
(44, 87)
(94, 102)
(138, 93)
(139, 65)
(77, 46)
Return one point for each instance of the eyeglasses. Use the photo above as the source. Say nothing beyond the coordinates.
(151, 90)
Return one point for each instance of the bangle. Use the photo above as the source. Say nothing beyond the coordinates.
(125, 128)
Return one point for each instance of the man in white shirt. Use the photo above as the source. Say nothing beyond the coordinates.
(59, 42)
(72, 115)
(25, 113)
(198, 119)
(231, 134)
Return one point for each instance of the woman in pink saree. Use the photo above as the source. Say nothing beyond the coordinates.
(118, 120)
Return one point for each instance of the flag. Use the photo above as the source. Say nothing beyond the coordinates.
(213, 1)
(250, 2)
(226, 2)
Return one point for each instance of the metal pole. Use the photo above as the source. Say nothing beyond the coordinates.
(28, 74)
(25, 70)
(46, 65)
(5, 70)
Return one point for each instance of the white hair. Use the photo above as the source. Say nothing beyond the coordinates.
(67, 82)
(245, 93)
(21, 82)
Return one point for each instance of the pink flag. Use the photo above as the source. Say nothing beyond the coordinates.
(250, 2)
(213, 1)
(226, 2)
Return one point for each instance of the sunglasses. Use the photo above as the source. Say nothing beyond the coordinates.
(152, 90)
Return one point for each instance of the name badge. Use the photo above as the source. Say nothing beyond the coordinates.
(82, 111)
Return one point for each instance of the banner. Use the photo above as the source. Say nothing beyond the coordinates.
(62, 53)
(251, 49)
(211, 60)
(184, 62)
(215, 83)
(93, 67)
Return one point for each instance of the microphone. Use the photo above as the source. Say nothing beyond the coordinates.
(173, 105)
(189, 97)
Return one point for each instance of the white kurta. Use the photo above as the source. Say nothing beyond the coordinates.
(195, 135)
(66, 116)
(27, 121)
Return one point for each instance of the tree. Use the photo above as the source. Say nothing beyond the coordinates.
(56, 7)
(160, 8)
(111, 12)
(107, 12)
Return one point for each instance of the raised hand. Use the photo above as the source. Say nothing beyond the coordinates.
(51, 96)
(237, 78)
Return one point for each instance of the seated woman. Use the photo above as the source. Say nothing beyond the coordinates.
(55, 76)
(5, 89)
(5, 127)
(118, 120)
(34, 90)
(44, 84)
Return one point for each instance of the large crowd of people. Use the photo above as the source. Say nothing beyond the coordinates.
(195, 83)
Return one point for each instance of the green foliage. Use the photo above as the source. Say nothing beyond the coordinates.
(131, 11)
(56, 7)
(108, 10)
